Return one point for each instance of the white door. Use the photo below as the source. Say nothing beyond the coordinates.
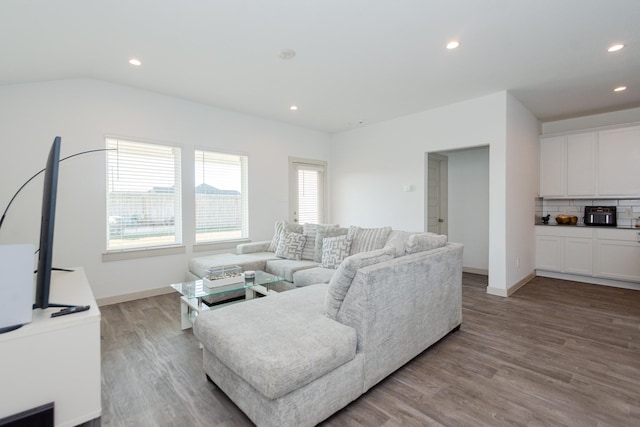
(307, 184)
(437, 194)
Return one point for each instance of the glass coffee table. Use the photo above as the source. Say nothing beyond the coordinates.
(192, 293)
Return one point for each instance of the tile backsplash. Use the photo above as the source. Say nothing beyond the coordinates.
(627, 209)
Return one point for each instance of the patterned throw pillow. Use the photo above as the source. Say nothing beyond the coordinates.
(368, 239)
(279, 226)
(290, 245)
(335, 250)
(323, 232)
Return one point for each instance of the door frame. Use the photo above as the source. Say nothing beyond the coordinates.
(293, 185)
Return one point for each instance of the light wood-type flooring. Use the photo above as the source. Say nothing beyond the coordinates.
(556, 353)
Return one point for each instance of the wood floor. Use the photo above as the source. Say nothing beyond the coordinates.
(555, 353)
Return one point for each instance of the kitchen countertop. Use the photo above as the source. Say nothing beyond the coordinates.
(619, 227)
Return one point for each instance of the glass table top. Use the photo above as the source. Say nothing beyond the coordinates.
(197, 289)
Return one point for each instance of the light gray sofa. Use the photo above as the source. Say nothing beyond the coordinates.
(295, 358)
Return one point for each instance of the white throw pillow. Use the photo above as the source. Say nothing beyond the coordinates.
(335, 250)
(290, 245)
(425, 242)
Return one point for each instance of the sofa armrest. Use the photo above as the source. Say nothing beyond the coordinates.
(253, 247)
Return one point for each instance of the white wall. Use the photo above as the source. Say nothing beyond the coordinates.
(469, 204)
(82, 112)
(369, 167)
(521, 190)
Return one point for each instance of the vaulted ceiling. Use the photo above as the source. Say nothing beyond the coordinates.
(356, 61)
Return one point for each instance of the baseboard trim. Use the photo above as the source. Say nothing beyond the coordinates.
(511, 289)
(475, 271)
(589, 279)
(134, 296)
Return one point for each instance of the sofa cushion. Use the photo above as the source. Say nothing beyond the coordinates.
(341, 280)
(254, 261)
(287, 267)
(368, 239)
(290, 245)
(312, 276)
(326, 231)
(278, 227)
(397, 240)
(335, 250)
(425, 242)
(298, 346)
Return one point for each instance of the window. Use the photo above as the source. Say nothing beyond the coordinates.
(222, 198)
(307, 191)
(144, 194)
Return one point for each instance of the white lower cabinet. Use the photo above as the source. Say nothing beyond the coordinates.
(564, 249)
(589, 251)
(578, 256)
(618, 254)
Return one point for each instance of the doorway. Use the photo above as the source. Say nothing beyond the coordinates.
(437, 194)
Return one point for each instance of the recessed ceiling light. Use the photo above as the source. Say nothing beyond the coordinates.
(293, 107)
(453, 44)
(135, 61)
(287, 54)
(615, 48)
(620, 89)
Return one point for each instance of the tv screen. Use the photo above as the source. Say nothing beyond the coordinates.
(49, 192)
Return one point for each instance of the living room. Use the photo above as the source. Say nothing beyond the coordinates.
(369, 165)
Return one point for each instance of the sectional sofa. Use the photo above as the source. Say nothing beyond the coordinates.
(295, 358)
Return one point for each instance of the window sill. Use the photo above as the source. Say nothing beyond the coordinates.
(142, 253)
(213, 246)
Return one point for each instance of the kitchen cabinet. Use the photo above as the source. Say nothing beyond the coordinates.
(553, 170)
(565, 249)
(567, 165)
(619, 162)
(618, 254)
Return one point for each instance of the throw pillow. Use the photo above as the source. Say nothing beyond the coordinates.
(290, 245)
(278, 227)
(335, 250)
(342, 278)
(368, 239)
(326, 231)
(309, 231)
(425, 242)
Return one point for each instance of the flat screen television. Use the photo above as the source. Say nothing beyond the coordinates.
(47, 225)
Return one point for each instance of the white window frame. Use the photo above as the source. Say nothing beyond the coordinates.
(296, 164)
(146, 247)
(242, 187)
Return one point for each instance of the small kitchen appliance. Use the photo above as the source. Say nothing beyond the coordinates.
(600, 215)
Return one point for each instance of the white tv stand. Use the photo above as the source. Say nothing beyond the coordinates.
(55, 359)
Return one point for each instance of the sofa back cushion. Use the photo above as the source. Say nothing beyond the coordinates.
(367, 239)
(341, 280)
(424, 242)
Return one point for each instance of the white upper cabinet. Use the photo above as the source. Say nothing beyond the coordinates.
(553, 166)
(567, 165)
(619, 162)
(603, 163)
(581, 164)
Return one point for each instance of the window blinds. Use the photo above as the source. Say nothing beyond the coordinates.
(310, 193)
(222, 202)
(143, 195)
